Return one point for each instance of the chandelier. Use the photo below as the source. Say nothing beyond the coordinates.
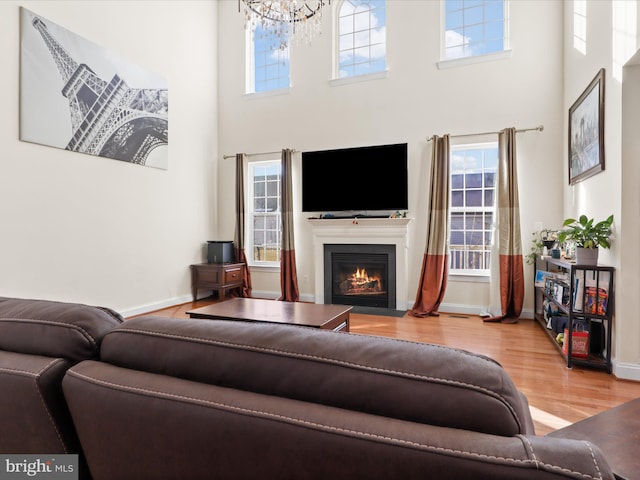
(284, 20)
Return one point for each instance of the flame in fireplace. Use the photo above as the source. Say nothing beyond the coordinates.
(360, 283)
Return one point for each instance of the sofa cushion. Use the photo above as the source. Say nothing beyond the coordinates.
(405, 380)
(54, 329)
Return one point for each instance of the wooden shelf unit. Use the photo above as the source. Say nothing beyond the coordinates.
(595, 276)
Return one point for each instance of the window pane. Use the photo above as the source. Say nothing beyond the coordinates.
(362, 39)
(474, 198)
(454, 20)
(457, 221)
(346, 24)
(457, 198)
(457, 181)
(474, 180)
(489, 178)
(272, 204)
(474, 221)
(457, 238)
(488, 197)
(346, 42)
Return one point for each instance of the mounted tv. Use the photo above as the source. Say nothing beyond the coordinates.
(355, 180)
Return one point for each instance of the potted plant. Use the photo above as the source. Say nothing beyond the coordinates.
(541, 238)
(587, 236)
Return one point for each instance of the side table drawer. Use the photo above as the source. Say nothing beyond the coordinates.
(232, 275)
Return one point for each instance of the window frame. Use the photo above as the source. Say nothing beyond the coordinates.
(471, 59)
(337, 66)
(251, 214)
(472, 272)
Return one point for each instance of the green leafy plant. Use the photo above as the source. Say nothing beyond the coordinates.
(541, 238)
(586, 233)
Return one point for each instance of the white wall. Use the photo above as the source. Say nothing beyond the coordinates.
(610, 192)
(88, 229)
(415, 101)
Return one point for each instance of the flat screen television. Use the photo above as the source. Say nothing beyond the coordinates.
(355, 180)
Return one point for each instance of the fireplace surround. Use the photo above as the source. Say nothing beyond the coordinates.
(360, 275)
(362, 231)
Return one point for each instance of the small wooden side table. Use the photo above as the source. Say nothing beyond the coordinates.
(216, 276)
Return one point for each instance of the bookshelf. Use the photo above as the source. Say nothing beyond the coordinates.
(577, 302)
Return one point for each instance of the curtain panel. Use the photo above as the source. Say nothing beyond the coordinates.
(288, 275)
(435, 263)
(239, 240)
(509, 268)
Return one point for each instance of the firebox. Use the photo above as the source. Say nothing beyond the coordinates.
(360, 275)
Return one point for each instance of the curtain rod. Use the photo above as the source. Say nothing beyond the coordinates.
(539, 128)
(258, 153)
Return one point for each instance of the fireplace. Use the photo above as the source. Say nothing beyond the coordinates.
(360, 275)
(363, 232)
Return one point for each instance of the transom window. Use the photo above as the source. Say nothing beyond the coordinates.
(473, 179)
(474, 27)
(361, 37)
(264, 220)
(268, 63)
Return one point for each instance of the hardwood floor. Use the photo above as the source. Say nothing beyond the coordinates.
(557, 395)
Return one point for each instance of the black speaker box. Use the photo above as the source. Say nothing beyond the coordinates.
(220, 251)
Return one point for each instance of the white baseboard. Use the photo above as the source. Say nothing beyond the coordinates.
(626, 371)
(152, 307)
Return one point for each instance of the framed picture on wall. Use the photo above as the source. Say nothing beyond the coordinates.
(586, 132)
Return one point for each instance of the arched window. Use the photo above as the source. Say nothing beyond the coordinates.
(362, 46)
(268, 63)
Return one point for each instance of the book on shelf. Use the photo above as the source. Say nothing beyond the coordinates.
(542, 276)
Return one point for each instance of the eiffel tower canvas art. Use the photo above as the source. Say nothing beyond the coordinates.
(78, 96)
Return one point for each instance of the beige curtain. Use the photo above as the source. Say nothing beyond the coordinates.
(288, 275)
(239, 240)
(435, 263)
(509, 269)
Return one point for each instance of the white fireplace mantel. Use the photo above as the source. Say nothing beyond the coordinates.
(366, 231)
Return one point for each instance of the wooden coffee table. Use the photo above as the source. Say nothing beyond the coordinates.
(616, 432)
(325, 317)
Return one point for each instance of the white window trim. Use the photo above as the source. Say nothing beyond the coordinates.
(488, 57)
(473, 276)
(258, 265)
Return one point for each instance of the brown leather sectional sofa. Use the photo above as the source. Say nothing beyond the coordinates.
(161, 398)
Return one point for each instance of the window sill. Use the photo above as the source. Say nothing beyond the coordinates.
(336, 82)
(269, 93)
(261, 267)
(469, 278)
(461, 62)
